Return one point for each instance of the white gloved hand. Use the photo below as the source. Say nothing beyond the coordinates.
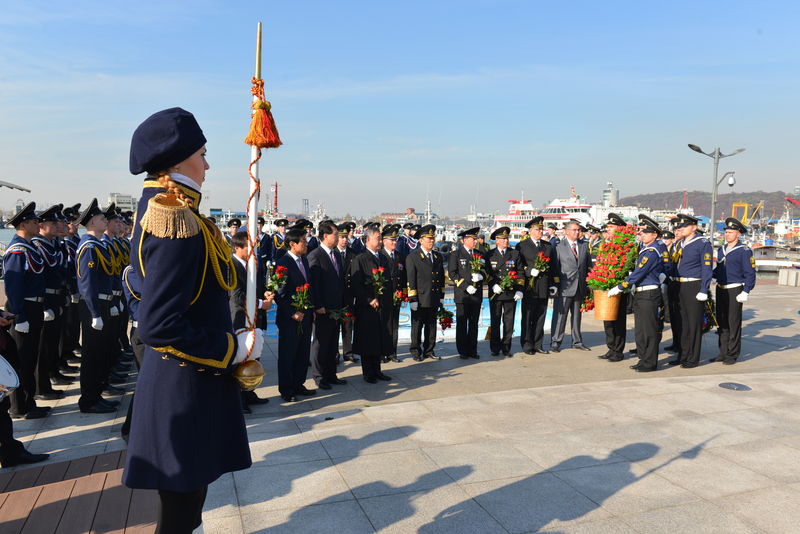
(741, 297)
(497, 289)
(248, 339)
(517, 295)
(49, 315)
(414, 306)
(614, 291)
(553, 291)
(471, 289)
(97, 323)
(477, 277)
(22, 328)
(534, 272)
(664, 288)
(75, 298)
(702, 297)
(661, 278)
(114, 311)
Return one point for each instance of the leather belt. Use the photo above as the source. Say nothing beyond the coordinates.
(34, 299)
(731, 286)
(103, 296)
(52, 291)
(646, 288)
(683, 279)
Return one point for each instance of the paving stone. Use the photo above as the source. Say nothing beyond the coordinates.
(489, 460)
(700, 517)
(369, 438)
(345, 516)
(271, 450)
(769, 510)
(767, 457)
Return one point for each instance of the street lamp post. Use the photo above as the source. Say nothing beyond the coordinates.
(716, 155)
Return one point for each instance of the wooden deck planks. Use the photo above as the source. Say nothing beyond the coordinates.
(143, 512)
(79, 513)
(16, 508)
(49, 507)
(112, 511)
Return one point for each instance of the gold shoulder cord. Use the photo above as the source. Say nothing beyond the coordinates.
(109, 265)
(216, 251)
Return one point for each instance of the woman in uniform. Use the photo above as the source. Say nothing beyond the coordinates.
(187, 428)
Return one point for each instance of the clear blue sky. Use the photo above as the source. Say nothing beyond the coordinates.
(377, 102)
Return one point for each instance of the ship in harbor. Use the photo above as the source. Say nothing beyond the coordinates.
(559, 211)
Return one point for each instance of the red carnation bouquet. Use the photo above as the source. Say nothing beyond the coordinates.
(400, 296)
(277, 278)
(301, 302)
(508, 282)
(378, 281)
(615, 260)
(341, 314)
(478, 265)
(541, 264)
(445, 318)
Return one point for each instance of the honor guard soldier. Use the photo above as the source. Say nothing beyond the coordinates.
(402, 240)
(673, 290)
(95, 270)
(645, 281)
(328, 280)
(234, 225)
(115, 318)
(482, 246)
(616, 330)
(537, 287)
(468, 292)
(307, 226)
(693, 259)
(506, 280)
(23, 268)
(132, 292)
(72, 323)
(595, 240)
(187, 428)
(550, 234)
(357, 244)
(425, 272)
(372, 294)
(123, 246)
(396, 275)
(279, 247)
(264, 251)
(54, 274)
(736, 278)
(347, 255)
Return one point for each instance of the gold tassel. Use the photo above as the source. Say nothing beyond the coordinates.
(170, 217)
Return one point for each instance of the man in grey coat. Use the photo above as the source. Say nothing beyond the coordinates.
(572, 262)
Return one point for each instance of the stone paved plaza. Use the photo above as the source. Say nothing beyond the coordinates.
(555, 443)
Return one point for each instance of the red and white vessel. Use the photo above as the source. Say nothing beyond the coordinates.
(559, 211)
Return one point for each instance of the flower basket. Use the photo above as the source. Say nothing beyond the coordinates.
(606, 308)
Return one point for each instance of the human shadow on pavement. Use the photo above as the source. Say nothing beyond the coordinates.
(557, 495)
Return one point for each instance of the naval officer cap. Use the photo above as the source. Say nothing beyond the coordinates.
(390, 231)
(592, 229)
(503, 232)
(649, 226)
(281, 222)
(408, 226)
(644, 217)
(616, 220)
(537, 222)
(235, 222)
(163, 140)
(91, 210)
(25, 214)
(469, 232)
(682, 219)
(732, 223)
(666, 234)
(552, 226)
(429, 230)
(344, 229)
(111, 212)
(304, 224)
(51, 214)
(72, 212)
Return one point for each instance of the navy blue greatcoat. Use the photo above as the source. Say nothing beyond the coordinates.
(187, 428)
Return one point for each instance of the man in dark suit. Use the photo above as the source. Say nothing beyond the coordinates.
(327, 277)
(425, 274)
(570, 266)
(468, 293)
(371, 339)
(347, 254)
(537, 287)
(396, 275)
(501, 262)
(237, 298)
(294, 326)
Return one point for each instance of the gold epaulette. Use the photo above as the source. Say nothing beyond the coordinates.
(170, 217)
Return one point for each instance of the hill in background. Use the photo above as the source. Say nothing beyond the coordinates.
(700, 201)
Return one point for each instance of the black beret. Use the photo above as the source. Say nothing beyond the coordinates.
(163, 140)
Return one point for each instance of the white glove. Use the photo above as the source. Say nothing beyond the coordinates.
(247, 339)
(414, 306)
(471, 289)
(477, 277)
(97, 323)
(517, 295)
(76, 298)
(22, 328)
(49, 315)
(534, 272)
(741, 297)
(114, 311)
(702, 297)
(661, 278)
(664, 288)
(614, 291)
(497, 289)
(553, 291)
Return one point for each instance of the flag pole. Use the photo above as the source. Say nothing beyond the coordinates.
(252, 210)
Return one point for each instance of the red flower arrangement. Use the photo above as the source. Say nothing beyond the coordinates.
(477, 265)
(542, 264)
(378, 281)
(615, 260)
(277, 278)
(588, 303)
(445, 318)
(340, 315)
(301, 302)
(508, 282)
(400, 296)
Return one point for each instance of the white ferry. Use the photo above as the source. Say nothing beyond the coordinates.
(519, 213)
(563, 210)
